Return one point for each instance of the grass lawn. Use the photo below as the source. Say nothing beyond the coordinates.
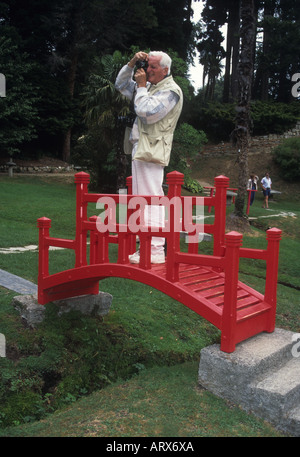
(133, 372)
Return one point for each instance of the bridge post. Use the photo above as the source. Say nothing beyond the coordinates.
(44, 225)
(174, 181)
(233, 242)
(132, 237)
(273, 238)
(221, 185)
(129, 184)
(98, 244)
(81, 180)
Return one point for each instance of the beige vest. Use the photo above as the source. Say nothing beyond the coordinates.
(155, 140)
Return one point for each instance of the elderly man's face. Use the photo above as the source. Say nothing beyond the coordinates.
(155, 73)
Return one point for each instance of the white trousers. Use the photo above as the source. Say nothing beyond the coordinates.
(147, 179)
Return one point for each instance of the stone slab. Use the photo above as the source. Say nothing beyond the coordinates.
(261, 376)
(251, 359)
(17, 284)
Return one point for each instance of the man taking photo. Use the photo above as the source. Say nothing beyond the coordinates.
(157, 105)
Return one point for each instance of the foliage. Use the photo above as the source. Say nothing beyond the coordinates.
(62, 40)
(209, 46)
(287, 156)
(18, 110)
(273, 117)
(275, 53)
(93, 152)
(217, 119)
(187, 144)
(104, 108)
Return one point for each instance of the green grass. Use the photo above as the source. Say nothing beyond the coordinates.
(160, 402)
(133, 372)
(24, 199)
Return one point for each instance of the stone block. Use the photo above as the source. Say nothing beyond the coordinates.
(32, 313)
(262, 376)
(92, 305)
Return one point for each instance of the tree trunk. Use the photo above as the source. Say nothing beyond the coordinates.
(232, 53)
(268, 12)
(243, 119)
(228, 59)
(120, 156)
(235, 54)
(66, 150)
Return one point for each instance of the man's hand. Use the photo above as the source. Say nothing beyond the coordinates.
(140, 77)
(138, 56)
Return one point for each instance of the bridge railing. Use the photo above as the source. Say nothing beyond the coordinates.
(179, 218)
(108, 230)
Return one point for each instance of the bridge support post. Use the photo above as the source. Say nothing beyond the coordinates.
(44, 225)
(233, 242)
(132, 237)
(174, 181)
(81, 180)
(273, 238)
(221, 184)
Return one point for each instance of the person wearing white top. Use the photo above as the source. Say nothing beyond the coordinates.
(266, 184)
(157, 100)
(252, 185)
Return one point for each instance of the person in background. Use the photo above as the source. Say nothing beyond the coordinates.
(266, 184)
(252, 184)
(157, 105)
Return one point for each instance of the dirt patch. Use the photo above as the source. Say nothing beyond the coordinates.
(206, 168)
(209, 167)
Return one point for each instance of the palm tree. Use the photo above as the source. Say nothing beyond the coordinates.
(106, 109)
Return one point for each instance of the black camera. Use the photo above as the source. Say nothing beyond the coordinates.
(142, 64)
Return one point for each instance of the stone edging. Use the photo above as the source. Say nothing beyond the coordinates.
(34, 169)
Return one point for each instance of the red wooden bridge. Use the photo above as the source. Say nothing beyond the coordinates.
(207, 284)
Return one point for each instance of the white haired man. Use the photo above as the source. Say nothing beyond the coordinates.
(157, 105)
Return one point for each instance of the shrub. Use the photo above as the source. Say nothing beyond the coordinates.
(216, 119)
(287, 157)
(273, 117)
(187, 144)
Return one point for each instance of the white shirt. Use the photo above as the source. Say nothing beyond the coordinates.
(266, 182)
(149, 108)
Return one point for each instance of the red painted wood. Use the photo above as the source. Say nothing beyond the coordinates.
(207, 284)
